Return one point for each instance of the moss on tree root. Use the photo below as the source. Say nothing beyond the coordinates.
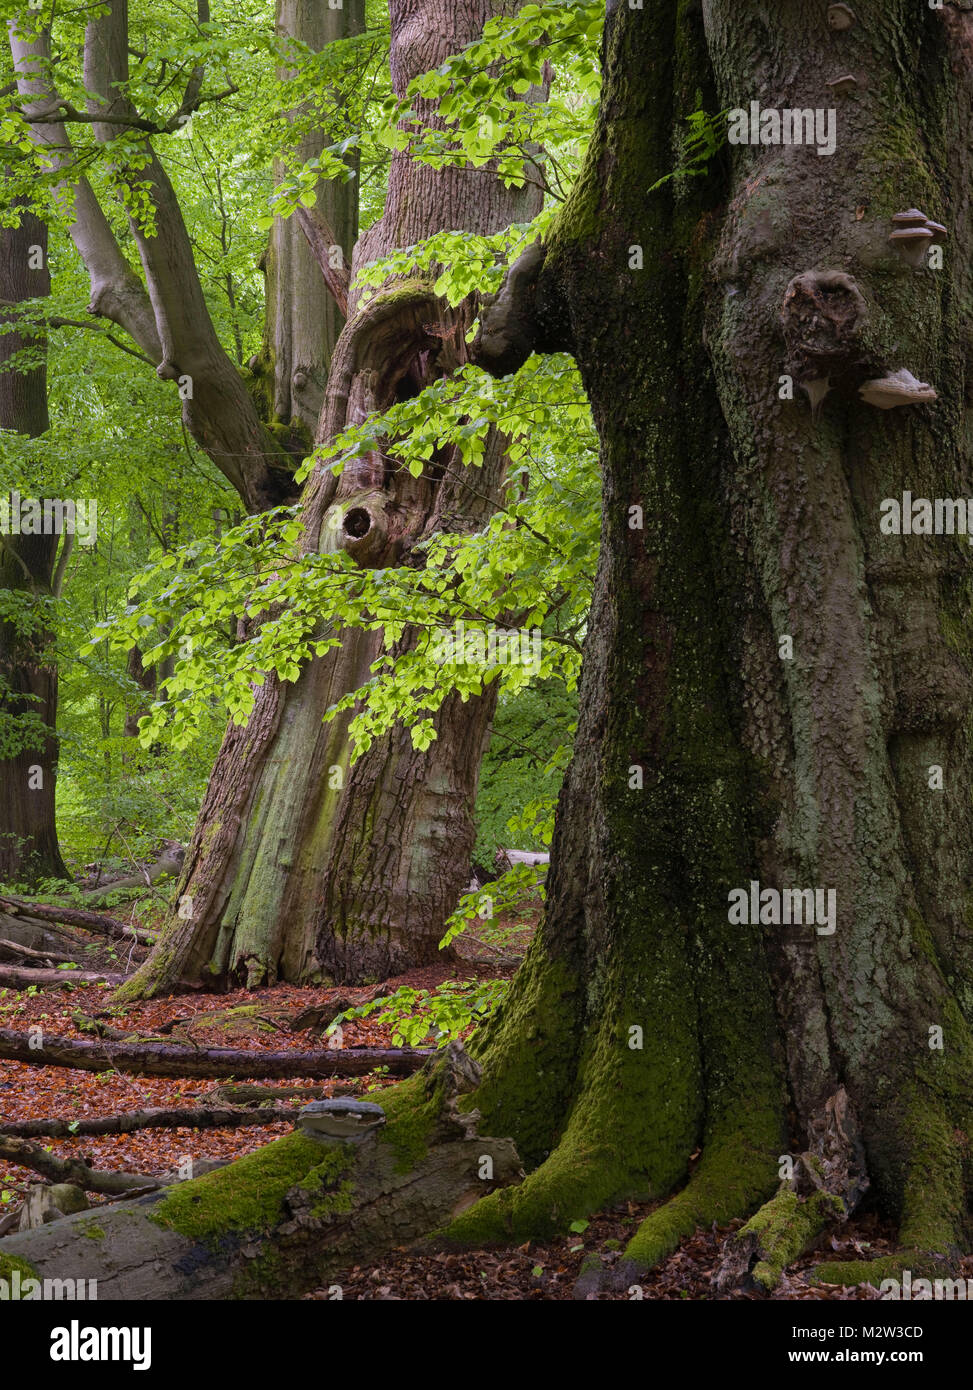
(733, 1176)
(847, 1273)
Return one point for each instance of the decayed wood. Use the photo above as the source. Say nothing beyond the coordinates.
(163, 1059)
(138, 1257)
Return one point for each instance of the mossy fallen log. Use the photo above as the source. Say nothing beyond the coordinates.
(282, 1220)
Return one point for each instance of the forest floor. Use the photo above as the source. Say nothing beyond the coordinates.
(536, 1270)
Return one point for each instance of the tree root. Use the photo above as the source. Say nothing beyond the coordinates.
(905, 1267)
(825, 1186)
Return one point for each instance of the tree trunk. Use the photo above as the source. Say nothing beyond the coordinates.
(761, 523)
(302, 866)
(302, 319)
(29, 848)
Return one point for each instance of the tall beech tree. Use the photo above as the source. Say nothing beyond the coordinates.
(647, 1023)
(30, 572)
(254, 431)
(304, 864)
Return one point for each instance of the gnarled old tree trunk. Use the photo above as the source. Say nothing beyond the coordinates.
(29, 847)
(303, 865)
(776, 692)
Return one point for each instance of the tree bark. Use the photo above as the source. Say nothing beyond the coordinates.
(29, 849)
(646, 1024)
(303, 867)
(761, 522)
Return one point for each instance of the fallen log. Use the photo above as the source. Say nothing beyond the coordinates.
(164, 1059)
(78, 917)
(71, 1170)
(38, 936)
(27, 953)
(169, 864)
(212, 1117)
(285, 1219)
(16, 977)
(235, 1095)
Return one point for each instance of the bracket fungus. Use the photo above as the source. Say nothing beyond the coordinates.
(900, 388)
(347, 1120)
(840, 17)
(841, 86)
(913, 233)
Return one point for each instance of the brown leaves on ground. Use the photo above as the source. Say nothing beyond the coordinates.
(548, 1270)
(545, 1270)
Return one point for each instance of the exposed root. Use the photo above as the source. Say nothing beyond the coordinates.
(730, 1180)
(825, 1186)
(910, 1270)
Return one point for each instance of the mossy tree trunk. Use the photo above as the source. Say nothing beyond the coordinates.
(303, 865)
(29, 847)
(712, 752)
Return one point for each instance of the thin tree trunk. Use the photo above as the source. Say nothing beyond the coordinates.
(29, 847)
(302, 319)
